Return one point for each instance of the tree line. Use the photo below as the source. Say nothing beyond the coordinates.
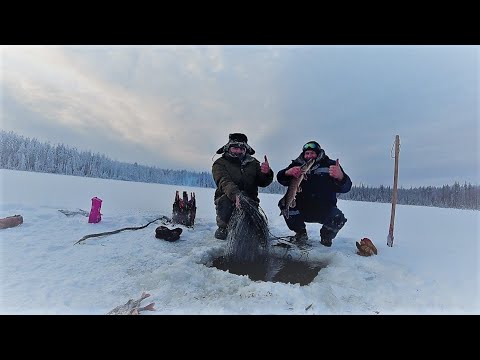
(21, 153)
(455, 196)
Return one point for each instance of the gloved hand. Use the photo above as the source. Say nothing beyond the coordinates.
(365, 247)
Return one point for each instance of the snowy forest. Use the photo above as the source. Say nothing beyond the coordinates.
(20, 153)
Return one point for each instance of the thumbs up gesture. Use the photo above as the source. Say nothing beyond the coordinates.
(335, 171)
(265, 166)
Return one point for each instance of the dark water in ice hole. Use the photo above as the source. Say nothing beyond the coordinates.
(247, 231)
(273, 269)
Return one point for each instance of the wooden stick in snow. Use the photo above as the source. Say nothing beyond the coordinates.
(394, 195)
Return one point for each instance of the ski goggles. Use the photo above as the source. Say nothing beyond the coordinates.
(311, 146)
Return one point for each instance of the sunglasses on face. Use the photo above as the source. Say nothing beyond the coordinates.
(310, 146)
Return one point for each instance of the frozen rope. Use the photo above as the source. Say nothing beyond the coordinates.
(163, 218)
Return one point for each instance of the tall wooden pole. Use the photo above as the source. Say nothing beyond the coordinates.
(394, 195)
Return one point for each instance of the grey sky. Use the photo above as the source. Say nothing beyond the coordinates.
(174, 106)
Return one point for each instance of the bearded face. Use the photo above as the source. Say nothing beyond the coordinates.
(237, 150)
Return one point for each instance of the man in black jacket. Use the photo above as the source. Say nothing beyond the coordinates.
(317, 202)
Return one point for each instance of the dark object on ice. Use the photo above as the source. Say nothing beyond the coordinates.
(11, 221)
(164, 233)
(184, 210)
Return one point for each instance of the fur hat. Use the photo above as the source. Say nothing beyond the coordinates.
(236, 138)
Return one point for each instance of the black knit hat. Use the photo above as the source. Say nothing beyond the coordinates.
(236, 138)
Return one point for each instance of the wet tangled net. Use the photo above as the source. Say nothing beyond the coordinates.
(247, 239)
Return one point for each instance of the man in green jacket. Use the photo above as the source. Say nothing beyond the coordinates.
(236, 172)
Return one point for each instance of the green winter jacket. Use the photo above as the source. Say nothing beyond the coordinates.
(232, 176)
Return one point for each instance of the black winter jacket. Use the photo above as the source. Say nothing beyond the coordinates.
(319, 190)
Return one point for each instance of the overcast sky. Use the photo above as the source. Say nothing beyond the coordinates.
(174, 106)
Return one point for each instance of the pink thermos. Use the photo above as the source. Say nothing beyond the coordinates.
(95, 215)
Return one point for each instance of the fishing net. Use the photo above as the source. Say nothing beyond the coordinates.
(247, 239)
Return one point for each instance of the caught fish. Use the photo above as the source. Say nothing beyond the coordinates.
(288, 200)
(132, 307)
